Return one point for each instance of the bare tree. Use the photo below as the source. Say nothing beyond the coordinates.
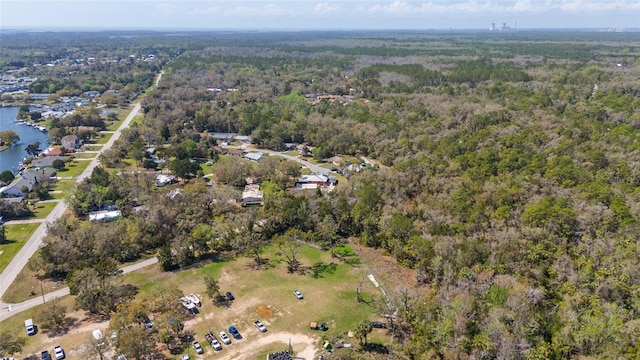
(289, 247)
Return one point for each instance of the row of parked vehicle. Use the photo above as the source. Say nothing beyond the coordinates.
(224, 338)
(58, 352)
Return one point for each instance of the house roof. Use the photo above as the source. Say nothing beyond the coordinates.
(47, 161)
(104, 215)
(255, 156)
(69, 138)
(55, 151)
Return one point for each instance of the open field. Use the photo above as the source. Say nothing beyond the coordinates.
(84, 155)
(42, 209)
(74, 168)
(102, 138)
(329, 297)
(16, 236)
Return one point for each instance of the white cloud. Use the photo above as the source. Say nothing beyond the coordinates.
(166, 9)
(272, 10)
(325, 8)
(461, 7)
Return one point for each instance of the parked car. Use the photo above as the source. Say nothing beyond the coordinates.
(225, 339)
(45, 355)
(234, 332)
(58, 352)
(378, 325)
(184, 357)
(298, 294)
(122, 357)
(260, 326)
(230, 296)
(216, 345)
(196, 345)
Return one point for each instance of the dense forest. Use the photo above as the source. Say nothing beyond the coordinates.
(506, 177)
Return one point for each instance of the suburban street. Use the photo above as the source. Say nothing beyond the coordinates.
(31, 246)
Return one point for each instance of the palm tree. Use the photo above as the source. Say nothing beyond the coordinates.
(33, 149)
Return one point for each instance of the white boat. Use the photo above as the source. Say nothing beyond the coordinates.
(194, 299)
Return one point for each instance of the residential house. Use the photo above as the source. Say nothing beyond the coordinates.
(91, 93)
(220, 150)
(39, 96)
(47, 162)
(54, 151)
(252, 195)
(70, 142)
(316, 180)
(18, 188)
(236, 152)
(41, 175)
(243, 138)
(254, 156)
(24, 184)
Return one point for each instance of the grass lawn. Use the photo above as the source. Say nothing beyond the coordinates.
(113, 126)
(329, 297)
(136, 120)
(43, 209)
(16, 236)
(74, 168)
(84, 155)
(64, 185)
(102, 138)
(26, 286)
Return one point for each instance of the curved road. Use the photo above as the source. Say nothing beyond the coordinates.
(31, 246)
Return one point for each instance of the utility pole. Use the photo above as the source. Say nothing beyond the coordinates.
(42, 291)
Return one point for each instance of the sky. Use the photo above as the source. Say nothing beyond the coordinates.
(317, 14)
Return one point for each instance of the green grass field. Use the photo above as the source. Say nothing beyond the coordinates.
(43, 209)
(102, 138)
(16, 236)
(64, 185)
(329, 297)
(74, 168)
(84, 155)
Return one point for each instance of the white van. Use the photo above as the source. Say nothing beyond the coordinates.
(31, 329)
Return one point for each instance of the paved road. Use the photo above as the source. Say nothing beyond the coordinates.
(34, 242)
(8, 310)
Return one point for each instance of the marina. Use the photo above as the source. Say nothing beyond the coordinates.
(29, 133)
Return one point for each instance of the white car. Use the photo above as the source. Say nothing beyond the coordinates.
(185, 357)
(260, 326)
(58, 352)
(225, 339)
(298, 294)
(196, 345)
(216, 345)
